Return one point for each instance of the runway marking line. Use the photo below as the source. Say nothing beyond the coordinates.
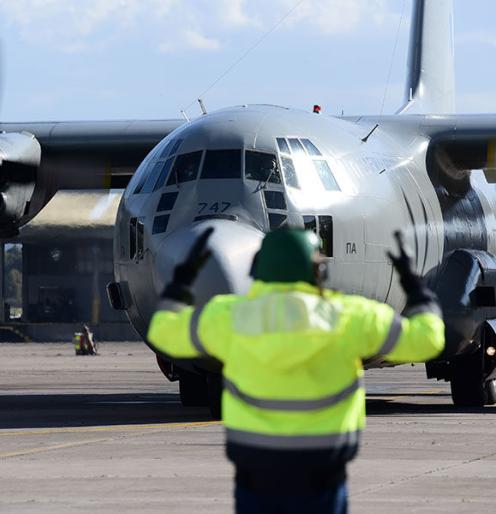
(110, 428)
(141, 430)
(41, 449)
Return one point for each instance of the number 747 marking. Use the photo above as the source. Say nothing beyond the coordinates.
(213, 207)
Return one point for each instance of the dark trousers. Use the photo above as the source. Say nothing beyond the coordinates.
(332, 501)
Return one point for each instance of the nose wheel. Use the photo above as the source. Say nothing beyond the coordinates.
(214, 386)
(192, 389)
(198, 390)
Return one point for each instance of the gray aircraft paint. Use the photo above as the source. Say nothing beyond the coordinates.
(72, 155)
(382, 165)
(430, 87)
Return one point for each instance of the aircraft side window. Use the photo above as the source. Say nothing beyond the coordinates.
(167, 201)
(167, 148)
(185, 168)
(171, 148)
(325, 175)
(310, 223)
(262, 167)
(275, 200)
(142, 174)
(283, 145)
(222, 164)
(289, 172)
(132, 237)
(152, 177)
(163, 175)
(135, 179)
(296, 146)
(175, 147)
(136, 239)
(140, 239)
(276, 220)
(160, 224)
(311, 148)
(326, 234)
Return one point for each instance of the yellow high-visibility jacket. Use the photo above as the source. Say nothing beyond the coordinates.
(293, 359)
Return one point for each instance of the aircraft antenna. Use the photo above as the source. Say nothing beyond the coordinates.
(395, 47)
(245, 54)
(202, 107)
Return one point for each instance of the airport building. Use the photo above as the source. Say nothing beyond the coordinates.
(66, 260)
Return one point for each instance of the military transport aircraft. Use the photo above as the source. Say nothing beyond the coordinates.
(249, 169)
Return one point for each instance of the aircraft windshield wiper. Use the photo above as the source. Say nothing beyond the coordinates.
(267, 180)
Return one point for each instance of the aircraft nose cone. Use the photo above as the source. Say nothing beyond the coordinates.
(232, 246)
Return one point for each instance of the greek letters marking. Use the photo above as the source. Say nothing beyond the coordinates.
(351, 248)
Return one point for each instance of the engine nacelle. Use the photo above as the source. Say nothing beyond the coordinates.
(466, 286)
(20, 157)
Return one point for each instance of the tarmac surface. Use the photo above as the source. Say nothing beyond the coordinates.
(107, 434)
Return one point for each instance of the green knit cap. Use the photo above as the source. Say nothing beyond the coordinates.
(287, 255)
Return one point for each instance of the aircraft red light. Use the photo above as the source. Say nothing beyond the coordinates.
(317, 109)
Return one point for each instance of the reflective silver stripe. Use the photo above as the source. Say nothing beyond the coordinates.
(193, 331)
(392, 337)
(424, 308)
(293, 442)
(293, 405)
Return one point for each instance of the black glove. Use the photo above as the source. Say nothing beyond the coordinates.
(186, 272)
(403, 264)
(416, 291)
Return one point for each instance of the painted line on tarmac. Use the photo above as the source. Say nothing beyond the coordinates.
(112, 428)
(42, 449)
(142, 431)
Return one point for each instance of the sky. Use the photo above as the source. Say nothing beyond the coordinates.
(149, 59)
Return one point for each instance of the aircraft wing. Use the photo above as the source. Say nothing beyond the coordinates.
(39, 159)
(463, 142)
(469, 142)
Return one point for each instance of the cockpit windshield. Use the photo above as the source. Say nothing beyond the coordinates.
(185, 168)
(304, 167)
(222, 164)
(262, 167)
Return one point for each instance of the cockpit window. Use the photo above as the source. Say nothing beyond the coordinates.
(276, 220)
(185, 168)
(163, 174)
(296, 146)
(283, 145)
(262, 167)
(325, 175)
(289, 172)
(171, 148)
(152, 177)
(222, 164)
(311, 148)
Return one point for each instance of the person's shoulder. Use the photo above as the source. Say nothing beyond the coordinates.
(223, 301)
(355, 301)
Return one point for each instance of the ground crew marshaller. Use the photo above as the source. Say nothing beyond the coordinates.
(293, 402)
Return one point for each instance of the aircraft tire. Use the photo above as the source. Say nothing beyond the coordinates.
(468, 388)
(192, 389)
(214, 383)
(491, 391)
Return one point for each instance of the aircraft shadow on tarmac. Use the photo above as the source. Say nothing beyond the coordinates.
(391, 407)
(67, 410)
(78, 410)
